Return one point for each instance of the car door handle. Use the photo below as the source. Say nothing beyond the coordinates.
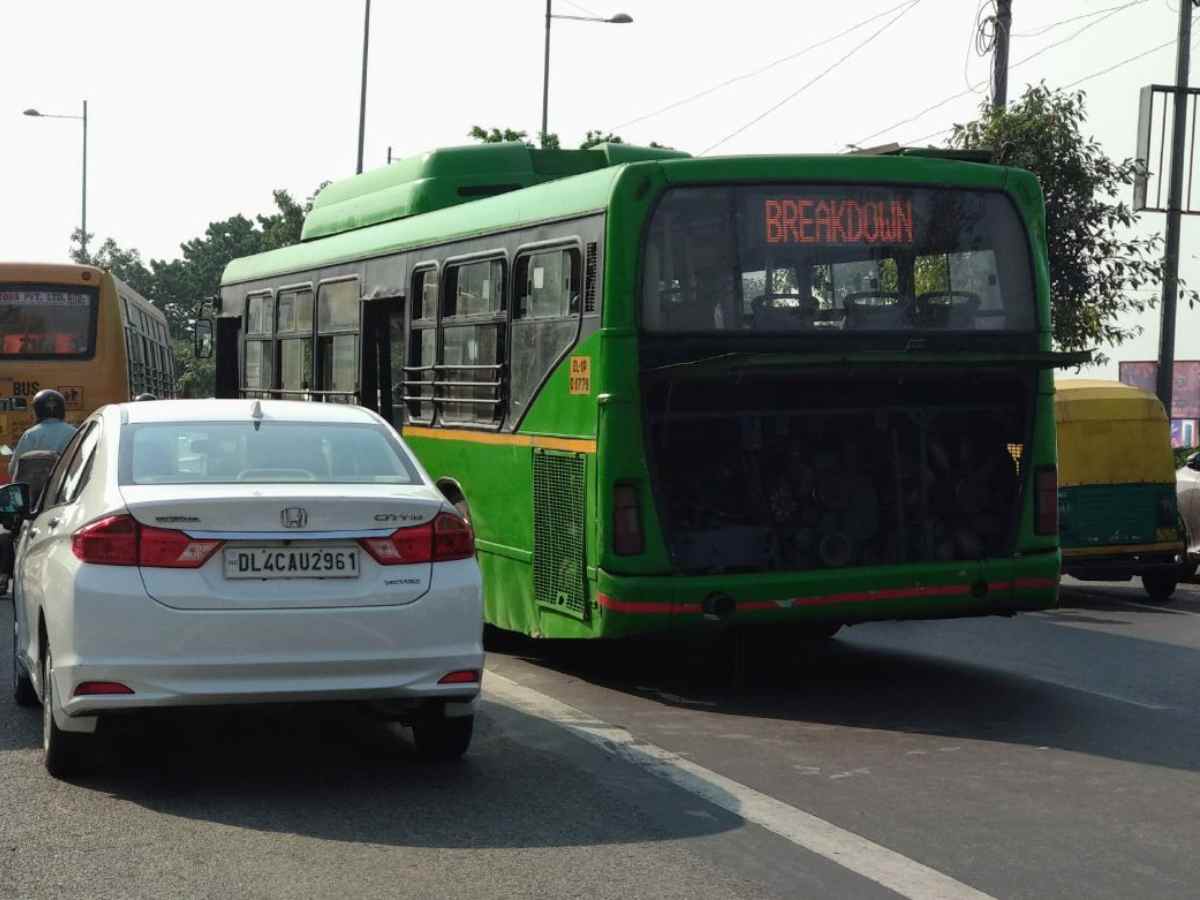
(33, 532)
(53, 523)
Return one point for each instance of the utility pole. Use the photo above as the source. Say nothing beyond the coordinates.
(1000, 54)
(83, 234)
(362, 102)
(546, 78)
(1166, 330)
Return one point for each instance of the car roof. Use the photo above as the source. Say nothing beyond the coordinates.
(242, 411)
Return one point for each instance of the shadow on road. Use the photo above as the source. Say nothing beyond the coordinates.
(1013, 682)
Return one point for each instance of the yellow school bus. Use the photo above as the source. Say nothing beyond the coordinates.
(81, 331)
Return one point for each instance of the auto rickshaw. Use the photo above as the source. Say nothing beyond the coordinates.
(1117, 509)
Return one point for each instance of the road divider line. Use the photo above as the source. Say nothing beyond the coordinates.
(875, 862)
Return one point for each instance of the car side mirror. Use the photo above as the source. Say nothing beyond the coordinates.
(202, 338)
(14, 505)
(1194, 462)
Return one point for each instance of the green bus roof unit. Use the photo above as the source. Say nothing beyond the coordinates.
(454, 175)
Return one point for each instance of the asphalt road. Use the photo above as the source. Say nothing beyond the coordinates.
(1051, 755)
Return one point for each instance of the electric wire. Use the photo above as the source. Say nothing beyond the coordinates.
(760, 70)
(1069, 85)
(582, 9)
(973, 41)
(1088, 15)
(1020, 62)
(794, 94)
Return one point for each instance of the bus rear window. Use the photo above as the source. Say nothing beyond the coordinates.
(47, 321)
(828, 259)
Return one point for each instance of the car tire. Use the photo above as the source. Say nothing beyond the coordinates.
(64, 750)
(439, 739)
(1159, 586)
(23, 692)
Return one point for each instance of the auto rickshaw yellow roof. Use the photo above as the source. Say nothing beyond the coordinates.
(1080, 399)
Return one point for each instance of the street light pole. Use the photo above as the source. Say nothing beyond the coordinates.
(362, 101)
(83, 234)
(40, 115)
(618, 19)
(1166, 334)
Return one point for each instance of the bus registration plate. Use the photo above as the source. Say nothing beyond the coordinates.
(292, 562)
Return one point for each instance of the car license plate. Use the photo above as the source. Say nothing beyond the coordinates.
(292, 562)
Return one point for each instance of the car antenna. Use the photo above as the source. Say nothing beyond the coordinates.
(256, 414)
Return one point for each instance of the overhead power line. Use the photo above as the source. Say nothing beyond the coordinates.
(1075, 83)
(761, 69)
(1112, 12)
(800, 90)
(1088, 15)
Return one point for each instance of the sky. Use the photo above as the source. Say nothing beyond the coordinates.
(197, 111)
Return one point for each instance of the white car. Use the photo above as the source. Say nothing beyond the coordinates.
(205, 552)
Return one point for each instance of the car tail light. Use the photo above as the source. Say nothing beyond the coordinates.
(1045, 501)
(628, 539)
(122, 541)
(447, 537)
(169, 549)
(452, 538)
(463, 676)
(93, 688)
(111, 541)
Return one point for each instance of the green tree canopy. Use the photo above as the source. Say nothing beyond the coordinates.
(178, 286)
(550, 141)
(1100, 269)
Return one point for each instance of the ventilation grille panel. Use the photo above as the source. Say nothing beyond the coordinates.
(559, 513)
(589, 279)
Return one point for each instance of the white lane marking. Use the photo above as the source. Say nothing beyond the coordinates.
(894, 871)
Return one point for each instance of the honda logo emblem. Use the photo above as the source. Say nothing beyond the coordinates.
(294, 517)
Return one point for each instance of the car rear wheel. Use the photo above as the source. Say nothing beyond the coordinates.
(1159, 587)
(64, 750)
(439, 739)
(23, 692)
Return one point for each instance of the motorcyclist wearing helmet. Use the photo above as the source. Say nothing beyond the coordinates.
(50, 432)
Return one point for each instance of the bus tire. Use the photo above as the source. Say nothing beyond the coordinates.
(1160, 586)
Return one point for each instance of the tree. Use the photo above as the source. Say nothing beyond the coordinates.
(1097, 265)
(549, 141)
(178, 286)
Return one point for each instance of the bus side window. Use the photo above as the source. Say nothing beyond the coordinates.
(418, 369)
(259, 375)
(470, 374)
(546, 310)
(293, 327)
(337, 341)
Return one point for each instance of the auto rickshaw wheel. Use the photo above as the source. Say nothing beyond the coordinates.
(1160, 586)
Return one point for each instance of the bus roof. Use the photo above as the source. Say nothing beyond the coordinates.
(50, 273)
(1091, 399)
(360, 225)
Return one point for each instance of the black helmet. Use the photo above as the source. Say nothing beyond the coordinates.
(49, 404)
(144, 397)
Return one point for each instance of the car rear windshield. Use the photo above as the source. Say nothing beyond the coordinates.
(262, 453)
(828, 259)
(39, 321)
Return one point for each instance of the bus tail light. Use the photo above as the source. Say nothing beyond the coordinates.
(1045, 501)
(446, 538)
(628, 539)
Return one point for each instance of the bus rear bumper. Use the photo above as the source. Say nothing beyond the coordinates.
(1117, 563)
(627, 604)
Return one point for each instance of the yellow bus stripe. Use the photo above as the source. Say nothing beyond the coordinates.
(574, 445)
(1118, 549)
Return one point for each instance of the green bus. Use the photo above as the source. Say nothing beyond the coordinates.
(674, 394)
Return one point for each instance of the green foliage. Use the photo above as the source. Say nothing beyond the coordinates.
(550, 141)
(178, 286)
(1100, 272)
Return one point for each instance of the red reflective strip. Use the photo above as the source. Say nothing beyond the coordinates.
(944, 590)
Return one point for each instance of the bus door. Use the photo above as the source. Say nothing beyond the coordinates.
(383, 345)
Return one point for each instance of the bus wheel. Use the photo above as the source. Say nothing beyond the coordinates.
(1159, 586)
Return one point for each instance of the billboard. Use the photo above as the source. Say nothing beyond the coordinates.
(1185, 396)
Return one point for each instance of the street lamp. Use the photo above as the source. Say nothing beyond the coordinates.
(618, 19)
(83, 118)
